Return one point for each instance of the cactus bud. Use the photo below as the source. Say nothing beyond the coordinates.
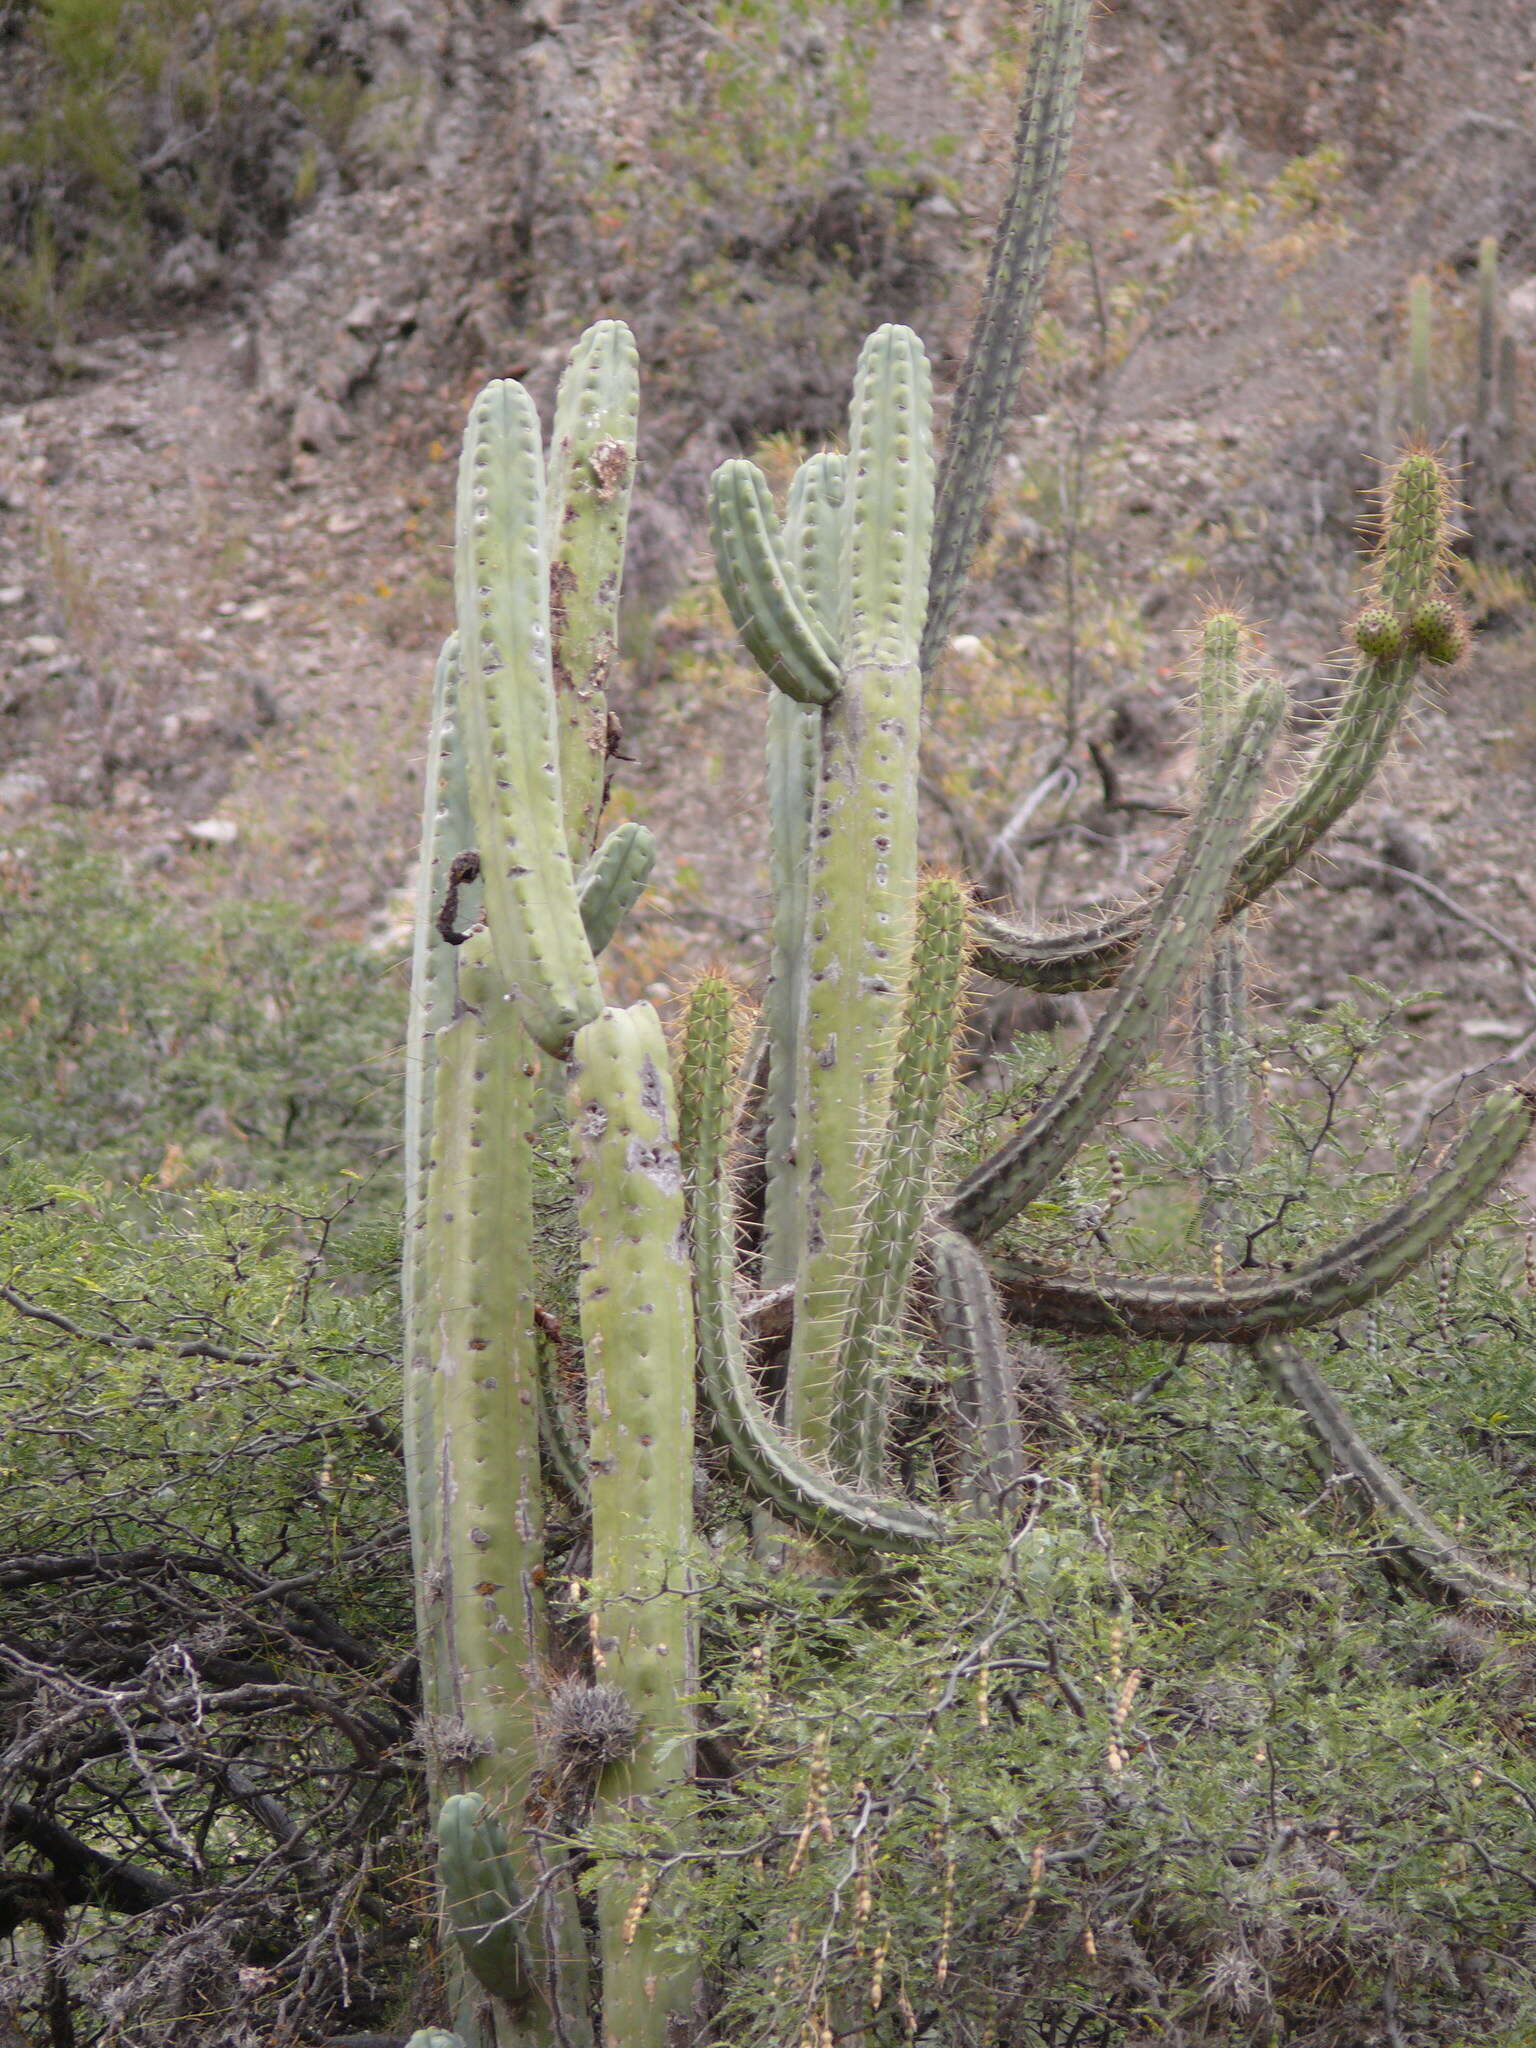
(1379, 633)
(1438, 631)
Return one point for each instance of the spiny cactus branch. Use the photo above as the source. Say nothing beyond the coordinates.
(1026, 232)
(1248, 1306)
(1179, 928)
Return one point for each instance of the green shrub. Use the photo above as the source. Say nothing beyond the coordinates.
(241, 1048)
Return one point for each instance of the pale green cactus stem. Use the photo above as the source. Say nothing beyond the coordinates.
(1248, 1305)
(445, 832)
(902, 1182)
(591, 476)
(863, 872)
(482, 1899)
(989, 383)
(501, 574)
(1409, 569)
(1420, 349)
(969, 1320)
(1221, 1065)
(813, 541)
(770, 1466)
(477, 1305)
(1178, 930)
(760, 582)
(637, 1335)
(613, 881)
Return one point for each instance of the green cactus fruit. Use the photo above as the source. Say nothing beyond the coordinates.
(591, 475)
(1438, 631)
(760, 1453)
(1379, 633)
(762, 590)
(480, 1892)
(613, 881)
(501, 570)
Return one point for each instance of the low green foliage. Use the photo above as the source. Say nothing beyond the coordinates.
(242, 1048)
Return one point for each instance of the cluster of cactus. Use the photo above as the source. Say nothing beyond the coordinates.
(788, 1206)
(1480, 433)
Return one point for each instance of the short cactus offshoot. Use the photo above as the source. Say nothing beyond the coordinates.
(860, 1254)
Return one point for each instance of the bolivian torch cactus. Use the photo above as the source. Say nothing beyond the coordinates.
(789, 1210)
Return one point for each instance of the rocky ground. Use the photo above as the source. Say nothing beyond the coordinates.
(223, 541)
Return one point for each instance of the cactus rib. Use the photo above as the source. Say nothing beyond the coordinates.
(1250, 1306)
(1178, 929)
(502, 580)
(813, 538)
(764, 1459)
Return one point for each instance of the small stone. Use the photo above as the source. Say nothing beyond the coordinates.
(42, 645)
(20, 790)
(212, 832)
(12, 595)
(253, 614)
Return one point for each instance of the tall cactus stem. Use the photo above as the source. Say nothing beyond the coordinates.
(899, 1196)
(863, 872)
(1177, 932)
(1221, 1065)
(445, 831)
(637, 1334)
(591, 475)
(501, 571)
(478, 1306)
(760, 1453)
(1021, 251)
(813, 540)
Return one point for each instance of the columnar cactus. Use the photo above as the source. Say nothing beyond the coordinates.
(859, 1256)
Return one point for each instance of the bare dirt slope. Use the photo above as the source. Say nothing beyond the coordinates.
(223, 545)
